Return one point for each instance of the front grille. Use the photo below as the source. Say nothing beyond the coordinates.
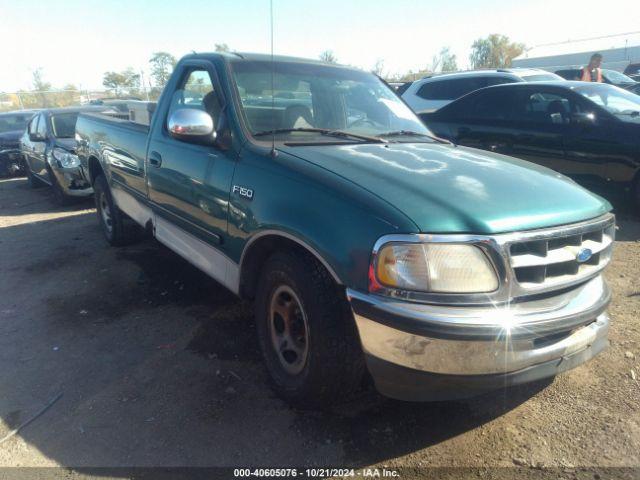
(564, 256)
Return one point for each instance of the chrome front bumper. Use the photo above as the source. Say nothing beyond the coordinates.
(488, 342)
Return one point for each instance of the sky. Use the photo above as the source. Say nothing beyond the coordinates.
(76, 41)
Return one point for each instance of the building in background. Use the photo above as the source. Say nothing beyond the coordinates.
(620, 52)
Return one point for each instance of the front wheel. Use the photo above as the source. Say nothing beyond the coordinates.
(306, 332)
(32, 180)
(59, 196)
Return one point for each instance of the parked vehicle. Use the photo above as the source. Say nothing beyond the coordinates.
(588, 131)
(12, 125)
(431, 93)
(396, 85)
(362, 239)
(608, 76)
(48, 149)
(403, 88)
(633, 71)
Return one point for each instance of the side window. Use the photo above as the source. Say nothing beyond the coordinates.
(573, 74)
(42, 126)
(434, 91)
(467, 85)
(457, 111)
(196, 91)
(632, 69)
(542, 107)
(33, 125)
(450, 89)
(491, 105)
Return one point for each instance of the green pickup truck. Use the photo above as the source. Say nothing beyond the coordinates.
(368, 246)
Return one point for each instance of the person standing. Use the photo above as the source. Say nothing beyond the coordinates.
(593, 72)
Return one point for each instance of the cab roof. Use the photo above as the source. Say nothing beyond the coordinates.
(237, 57)
(570, 84)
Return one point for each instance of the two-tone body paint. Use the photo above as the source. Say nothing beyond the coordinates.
(335, 200)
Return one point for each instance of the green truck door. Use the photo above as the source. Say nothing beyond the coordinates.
(189, 183)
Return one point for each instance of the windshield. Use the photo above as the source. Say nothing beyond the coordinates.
(9, 123)
(63, 125)
(625, 105)
(617, 77)
(311, 97)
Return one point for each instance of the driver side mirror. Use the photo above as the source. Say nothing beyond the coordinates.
(192, 125)
(583, 119)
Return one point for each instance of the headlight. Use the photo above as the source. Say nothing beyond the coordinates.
(66, 159)
(435, 267)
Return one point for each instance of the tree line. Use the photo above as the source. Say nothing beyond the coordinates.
(494, 51)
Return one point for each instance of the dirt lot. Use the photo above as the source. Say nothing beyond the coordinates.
(158, 366)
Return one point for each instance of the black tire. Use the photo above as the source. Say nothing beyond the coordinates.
(111, 218)
(636, 195)
(333, 366)
(59, 196)
(32, 180)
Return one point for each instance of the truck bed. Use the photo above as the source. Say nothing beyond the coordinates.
(120, 143)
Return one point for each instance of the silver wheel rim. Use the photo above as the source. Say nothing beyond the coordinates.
(288, 329)
(105, 213)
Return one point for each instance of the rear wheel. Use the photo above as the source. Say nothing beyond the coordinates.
(111, 218)
(636, 195)
(306, 332)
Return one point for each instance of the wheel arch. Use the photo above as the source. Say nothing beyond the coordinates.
(262, 245)
(95, 168)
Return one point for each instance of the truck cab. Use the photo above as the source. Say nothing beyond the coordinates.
(368, 246)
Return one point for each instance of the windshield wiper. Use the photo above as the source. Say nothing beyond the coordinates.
(322, 131)
(631, 113)
(411, 133)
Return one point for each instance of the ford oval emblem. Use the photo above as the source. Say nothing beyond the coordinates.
(583, 255)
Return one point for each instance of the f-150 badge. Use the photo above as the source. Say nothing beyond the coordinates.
(243, 191)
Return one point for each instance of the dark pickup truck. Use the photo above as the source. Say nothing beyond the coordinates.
(366, 244)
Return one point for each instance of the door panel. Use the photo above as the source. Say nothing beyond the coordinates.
(496, 136)
(602, 154)
(33, 151)
(188, 183)
(481, 120)
(39, 151)
(540, 144)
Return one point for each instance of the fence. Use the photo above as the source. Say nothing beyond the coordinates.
(57, 98)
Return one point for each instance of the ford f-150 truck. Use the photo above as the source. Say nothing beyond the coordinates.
(366, 244)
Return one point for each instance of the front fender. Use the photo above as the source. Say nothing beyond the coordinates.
(334, 219)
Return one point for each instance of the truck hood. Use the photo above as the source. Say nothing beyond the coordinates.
(443, 188)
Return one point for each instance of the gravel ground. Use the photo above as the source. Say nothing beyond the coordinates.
(158, 366)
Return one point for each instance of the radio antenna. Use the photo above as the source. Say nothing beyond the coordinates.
(273, 93)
